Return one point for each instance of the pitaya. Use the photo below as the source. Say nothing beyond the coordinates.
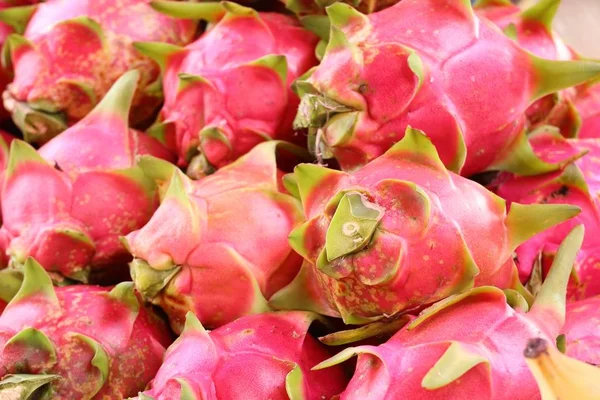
(230, 89)
(532, 29)
(265, 356)
(12, 18)
(577, 184)
(68, 205)
(587, 103)
(467, 346)
(582, 330)
(72, 52)
(403, 232)
(317, 6)
(77, 342)
(439, 63)
(218, 246)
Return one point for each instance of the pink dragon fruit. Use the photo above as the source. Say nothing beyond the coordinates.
(467, 346)
(532, 29)
(577, 184)
(197, 254)
(582, 330)
(88, 192)
(587, 103)
(401, 233)
(265, 356)
(416, 53)
(77, 342)
(12, 18)
(72, 52)
(230, 89)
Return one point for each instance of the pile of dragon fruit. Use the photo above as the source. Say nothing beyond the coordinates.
(297, 199)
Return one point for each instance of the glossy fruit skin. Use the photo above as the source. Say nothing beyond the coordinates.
(265, 356)
(71, 53)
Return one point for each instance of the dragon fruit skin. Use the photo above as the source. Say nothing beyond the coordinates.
(83, 342)
(579, 185)
(582, 330)
(211, 116)
(466, 345)
(195, 254)
(587, 103)
(401, 233)
(532, 29)
(476, 126)
(264, 356)
(58, 80)
(89, 167)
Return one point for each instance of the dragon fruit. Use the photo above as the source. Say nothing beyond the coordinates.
(587, 103)
(532, 29)
(265, 356)
(316, 6)
(88, 192)
(72, 52)
(467, 345)
(401, 233)
(197, 254)
(77, 342)
(582, 330)
(211, 115)
(416, 52)
(577, 184)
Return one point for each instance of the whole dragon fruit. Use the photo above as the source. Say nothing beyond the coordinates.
(577, 184)
(77, 342)
(466, 346)
(88, 192)
(198, 254)
(230, 89)
(72, 52)
(438, 61)
(257, 357)
(12, 19)
(532, 29)
(582, 330)
(401, 233)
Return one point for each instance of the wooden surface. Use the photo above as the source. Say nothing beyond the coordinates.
(578, 22)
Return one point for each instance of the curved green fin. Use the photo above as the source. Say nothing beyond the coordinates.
(550, 76)
(341, 15)
(551, 299)
(26, 386)
(527, 220)
(458, 359)
(13, 43)
(100, 361)
(193, 324)
(188, 80)
(511, 32)
(235, 9)
(294, 384)
(17, 17)
(10, 282)
(276, 63)
(311, 176)
(118, 100)
(352, 226)
(339, 41)
(21, 152)
(317, 24)
(124, 292)
(158, 131)
(36, 281)
(489, 3)
(417, 147)
(543, 12)
(291, 185)
(38, 122)
(213, 133)
(187, 392)
(344, 355)
(516, 300)
(374, 329)
(156, 169)
(452, 300)
(159, 52)
(38, 343)
(142, 396)
(150, 281)
(207, 11)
